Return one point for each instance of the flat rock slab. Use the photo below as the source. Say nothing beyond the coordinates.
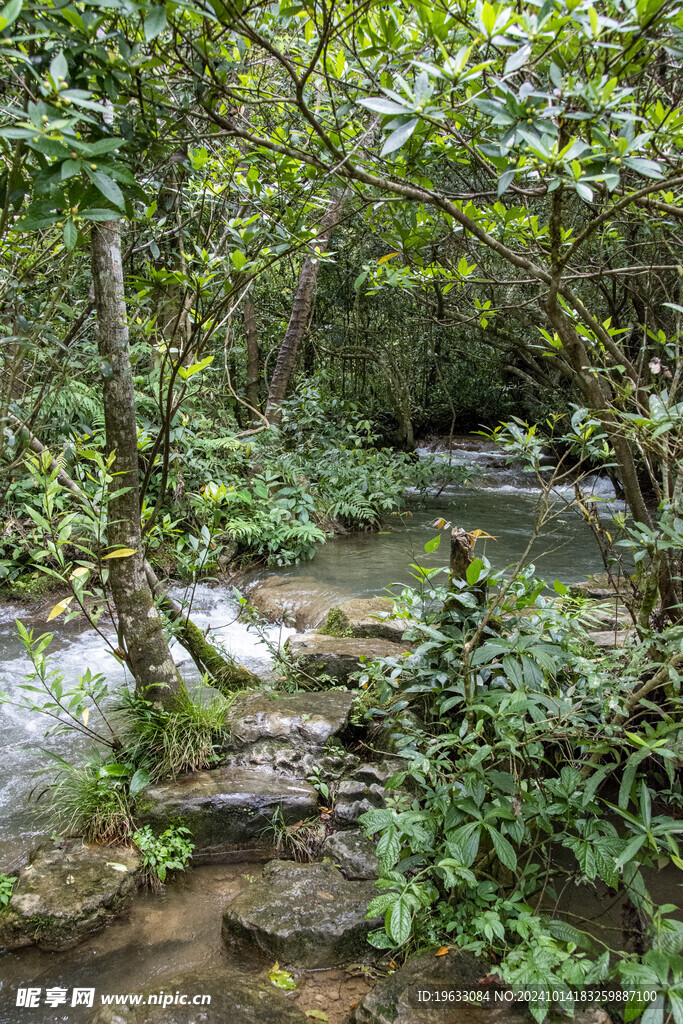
(229, 807)
(365, 617)
(337, 657)
(353, 853)
(300, 601)
(306, 718)
(286, 731)
(610, 638)
(66, 891)
(397, 999)
(303, 915)
(236, 998)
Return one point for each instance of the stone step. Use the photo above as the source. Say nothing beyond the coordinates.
(236, 998)
(353, 853)
(228, 809)
(305, 915)
(66, 891)
(337, 657)
(299, 601)
(286, 731)
(365, 617)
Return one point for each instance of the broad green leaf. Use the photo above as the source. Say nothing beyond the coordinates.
(399, 137)
(155, 22)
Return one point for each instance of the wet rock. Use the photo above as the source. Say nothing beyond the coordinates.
(236, 998)
(365, 617)
(286, 731)
(300, 601)
(397, 999)
(228, 808)
(364, 790)
(303, 914)
(353, 853)
(66, 891)
(337, 657)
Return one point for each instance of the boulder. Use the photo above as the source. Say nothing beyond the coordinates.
(299, 601)
(365, 617)
(337, 657)
(286, 731)
(236, 998)
(228, 808)
(66, 891)
(404, 997)
(305, 915)
(599, 587)
(353, 853)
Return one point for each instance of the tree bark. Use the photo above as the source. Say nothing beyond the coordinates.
(253, 361)
(139, 626)
(301, 309)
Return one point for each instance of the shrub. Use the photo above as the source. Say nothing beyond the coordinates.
(171, 851)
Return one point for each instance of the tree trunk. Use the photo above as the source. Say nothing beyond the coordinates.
(253, 361)
(140, 630)
(301, 309)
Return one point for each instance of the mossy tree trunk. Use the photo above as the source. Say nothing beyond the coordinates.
(140, 631)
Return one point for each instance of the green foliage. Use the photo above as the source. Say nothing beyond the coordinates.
(183, 735)
(7, 883)
(92, 800)
(170, 851)
(518, 742)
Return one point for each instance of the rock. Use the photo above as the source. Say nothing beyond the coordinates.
(236, 998)
(353, 853)
(66, 891)
(362, 791)
(337, 657)
(365, 617)
(227, 808)
(598, 587)
(609, 638)
(286, 731)
(401, 998)
(303, 914)
(297, 600)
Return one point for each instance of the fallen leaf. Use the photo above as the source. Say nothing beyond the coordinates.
(316, 1015)
(489, 979)
(442, 951)
(325, 895)
(280, 978)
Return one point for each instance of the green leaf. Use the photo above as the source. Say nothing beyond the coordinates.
(504, 850)
(433, 544)
(9, 13)
(70, 234)
(58, 67)
(155, 22)
(107, 186)
(398, 921)
(474, 570)
(560, 588)
(238, 259)
(139, 781)
(399, 137)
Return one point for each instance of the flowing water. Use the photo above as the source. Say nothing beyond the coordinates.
(183, 927)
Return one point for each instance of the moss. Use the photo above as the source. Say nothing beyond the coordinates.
(337, 624)
(30, 585)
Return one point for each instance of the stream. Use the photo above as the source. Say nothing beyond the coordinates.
(182, 926)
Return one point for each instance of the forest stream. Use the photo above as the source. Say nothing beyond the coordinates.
(181, 927)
